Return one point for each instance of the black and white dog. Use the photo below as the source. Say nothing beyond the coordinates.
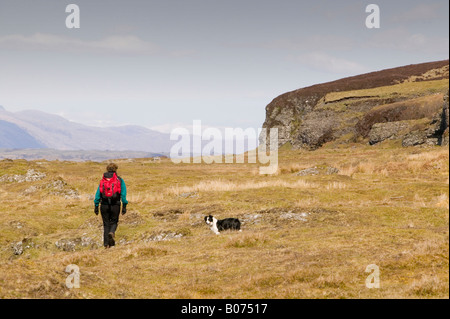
(218, 225)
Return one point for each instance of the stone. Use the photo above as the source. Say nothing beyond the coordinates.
(308, 172)
(30, 176)
(383, 131)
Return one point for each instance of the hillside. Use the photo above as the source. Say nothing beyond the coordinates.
(12, 136)
(346, 110)
(309, 231)
(55, 132)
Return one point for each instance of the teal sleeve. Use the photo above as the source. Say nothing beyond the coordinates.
(97, 197)
(123, 192)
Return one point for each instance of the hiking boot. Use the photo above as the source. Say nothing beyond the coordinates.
(111, 240)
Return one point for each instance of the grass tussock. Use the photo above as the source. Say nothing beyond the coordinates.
(144, 252)
(429, 286)
(246, 241)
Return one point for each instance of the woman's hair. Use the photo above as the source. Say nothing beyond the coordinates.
(112, 168)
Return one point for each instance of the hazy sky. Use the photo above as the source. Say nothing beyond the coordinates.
(163, 64)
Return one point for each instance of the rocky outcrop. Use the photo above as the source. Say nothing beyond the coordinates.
(74, 244)
(59, 187)
(384, 131)
(30, 176)
(442, 124)
(445, 135)
(436, 133)
(321, 170)
(308, 118)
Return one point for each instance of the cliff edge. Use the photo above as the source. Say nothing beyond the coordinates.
(404, 103)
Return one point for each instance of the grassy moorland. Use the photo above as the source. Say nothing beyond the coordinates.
(304, 236)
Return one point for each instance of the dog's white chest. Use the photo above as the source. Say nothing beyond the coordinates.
(213, 226)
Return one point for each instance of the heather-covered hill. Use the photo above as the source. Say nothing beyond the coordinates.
(346, 110)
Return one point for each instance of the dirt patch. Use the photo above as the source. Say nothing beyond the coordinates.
(92, 223)
(168, 215)
(132, 218)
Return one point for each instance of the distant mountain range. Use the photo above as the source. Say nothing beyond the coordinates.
(74, 156)
(37, 130)
(12, 136)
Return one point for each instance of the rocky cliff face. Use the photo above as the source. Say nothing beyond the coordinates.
(445, 135)
(389, 104)
(435, 133)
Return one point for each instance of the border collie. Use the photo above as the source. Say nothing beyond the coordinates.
(218, 225)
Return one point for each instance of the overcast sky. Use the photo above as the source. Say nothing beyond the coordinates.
(163, 64)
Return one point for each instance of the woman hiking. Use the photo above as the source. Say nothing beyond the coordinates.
(110, 193)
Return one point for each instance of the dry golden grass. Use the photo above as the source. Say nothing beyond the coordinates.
(428, 286)
(302, 236)
(407, 89)
(227, 186)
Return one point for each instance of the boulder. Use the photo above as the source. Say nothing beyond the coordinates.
(384, 131)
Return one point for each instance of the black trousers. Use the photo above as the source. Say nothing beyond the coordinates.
(110, 216)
